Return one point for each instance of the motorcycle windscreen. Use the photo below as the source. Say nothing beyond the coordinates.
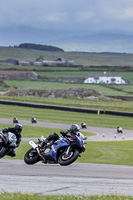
(12, 137)
(78, 140)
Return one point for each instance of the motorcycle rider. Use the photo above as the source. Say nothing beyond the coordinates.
(17, 129)
(33, 120)
(119, 129)
(83, 125)
(15, 120)
(71, 132)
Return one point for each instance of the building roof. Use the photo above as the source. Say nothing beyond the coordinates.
(104, 74)
(60, 59)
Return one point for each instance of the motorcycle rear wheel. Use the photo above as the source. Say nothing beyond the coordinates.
(31, 158)
(67, 160)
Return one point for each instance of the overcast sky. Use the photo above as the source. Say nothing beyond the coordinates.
(99, 15)
(87, 16)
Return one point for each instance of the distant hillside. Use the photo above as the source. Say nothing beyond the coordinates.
(105, 42)
(40, 47)
(68, 40)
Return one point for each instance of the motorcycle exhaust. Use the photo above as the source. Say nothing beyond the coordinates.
(32, 144)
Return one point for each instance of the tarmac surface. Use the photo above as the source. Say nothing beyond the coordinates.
(77, 178)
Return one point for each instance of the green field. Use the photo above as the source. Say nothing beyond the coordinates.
(57, 85)
(128, 89)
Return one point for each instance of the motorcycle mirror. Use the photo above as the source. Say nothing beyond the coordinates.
(85, 138)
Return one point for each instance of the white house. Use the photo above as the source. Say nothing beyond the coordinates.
(106, 78)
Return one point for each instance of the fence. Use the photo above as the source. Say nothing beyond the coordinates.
(73, 109)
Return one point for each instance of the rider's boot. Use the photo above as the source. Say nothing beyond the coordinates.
(43, 143)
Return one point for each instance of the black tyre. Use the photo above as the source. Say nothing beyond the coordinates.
(31, 157)
(2, 151)
(70, 158)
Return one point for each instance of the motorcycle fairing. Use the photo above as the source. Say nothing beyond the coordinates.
(78, 140)
(52, 155)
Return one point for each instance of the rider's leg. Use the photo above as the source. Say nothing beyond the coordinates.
(12, 153)
(52, 136)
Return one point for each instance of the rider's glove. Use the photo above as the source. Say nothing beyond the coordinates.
(12, 145)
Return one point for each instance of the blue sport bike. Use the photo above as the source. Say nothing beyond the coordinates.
(63, 151)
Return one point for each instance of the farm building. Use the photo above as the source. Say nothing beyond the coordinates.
(18, 75)
(58, 61)
(11, 61)
(106, 78)
(24, 63)
(39, 62)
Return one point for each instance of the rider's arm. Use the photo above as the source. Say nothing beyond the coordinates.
(18, 140)
(9, 129)
(64, 133)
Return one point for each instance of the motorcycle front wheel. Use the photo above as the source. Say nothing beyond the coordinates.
(64, 159)
(2, 151)
(31, 157)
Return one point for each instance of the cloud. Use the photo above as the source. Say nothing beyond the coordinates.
(55, 17)
(63, 14)
(126, 14)
(34, 13)
(119, 10)
(85, 16)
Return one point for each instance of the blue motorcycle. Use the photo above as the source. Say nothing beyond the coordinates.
(63, 151)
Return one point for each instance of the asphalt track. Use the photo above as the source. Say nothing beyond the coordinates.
(77, 178)
(109, 133)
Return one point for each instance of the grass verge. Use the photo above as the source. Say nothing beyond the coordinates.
(24, 196)
(115, 153)
(67, 117)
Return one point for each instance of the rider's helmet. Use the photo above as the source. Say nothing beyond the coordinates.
(18, 128)
(74, 128)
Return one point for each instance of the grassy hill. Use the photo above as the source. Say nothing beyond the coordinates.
(85, 59)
